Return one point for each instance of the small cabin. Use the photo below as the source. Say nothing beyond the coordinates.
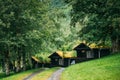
(60, 58)
(37, 63)
(84, 51)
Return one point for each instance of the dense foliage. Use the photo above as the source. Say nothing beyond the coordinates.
(100, 20)
(18, 25)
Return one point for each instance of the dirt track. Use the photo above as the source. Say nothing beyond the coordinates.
(56, 75)
(33, 74)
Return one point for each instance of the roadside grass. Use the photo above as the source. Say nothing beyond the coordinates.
(107, 68)
(18, 76)
(45, 74)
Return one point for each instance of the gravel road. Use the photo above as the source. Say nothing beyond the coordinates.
(56, 75)
(33, 74)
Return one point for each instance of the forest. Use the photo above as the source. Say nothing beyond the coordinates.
(40, 27)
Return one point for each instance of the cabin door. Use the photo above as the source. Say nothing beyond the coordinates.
(61, 62)
(89, 54)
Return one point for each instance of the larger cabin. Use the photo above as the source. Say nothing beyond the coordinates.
(60, 58)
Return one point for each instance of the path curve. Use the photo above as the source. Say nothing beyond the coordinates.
(56, 75)
(33, 74)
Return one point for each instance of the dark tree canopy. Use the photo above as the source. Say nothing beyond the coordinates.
(100, 18)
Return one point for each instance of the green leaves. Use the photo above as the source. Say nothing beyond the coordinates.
(101, 15)
(20, 25)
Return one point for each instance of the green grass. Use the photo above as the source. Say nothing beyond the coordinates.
(107, 68)
(17, 76)
(46, 74)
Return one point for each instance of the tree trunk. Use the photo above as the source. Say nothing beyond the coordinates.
(7, 62)
(116, 45)
(18, 65)
(23, 65)
(7, 67)
(7, 71)
(14, 66)
(18, 62)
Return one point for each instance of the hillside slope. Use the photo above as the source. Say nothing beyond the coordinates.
(107, 68)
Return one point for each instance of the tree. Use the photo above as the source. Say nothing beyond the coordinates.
(100, 20)
(19, 24)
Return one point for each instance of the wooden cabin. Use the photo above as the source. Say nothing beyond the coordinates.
(37, 63)
(60, 58)
(83, 51)
(100, 52)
